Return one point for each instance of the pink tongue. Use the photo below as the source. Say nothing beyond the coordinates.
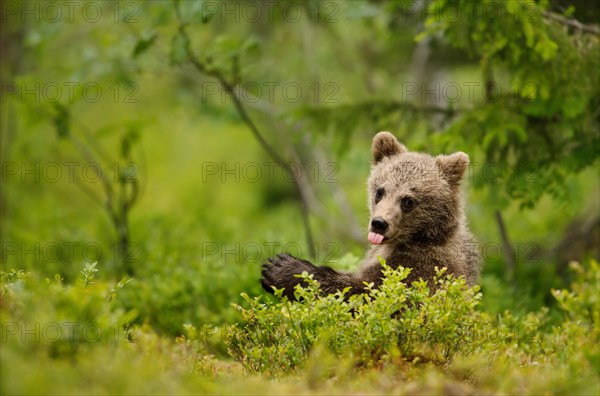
(375, 238)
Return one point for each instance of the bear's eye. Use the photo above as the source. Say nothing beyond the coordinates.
(407, 204)
(379, 194)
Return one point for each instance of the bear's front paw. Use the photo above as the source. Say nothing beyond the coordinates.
(279, 272)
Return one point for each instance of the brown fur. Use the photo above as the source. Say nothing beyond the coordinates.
(433, 233)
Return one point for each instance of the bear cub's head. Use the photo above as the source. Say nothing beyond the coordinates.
(413, 197)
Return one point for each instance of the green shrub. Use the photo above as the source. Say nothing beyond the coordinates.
(420, 325)
(393, 321)
(50, 317)
(397, 339)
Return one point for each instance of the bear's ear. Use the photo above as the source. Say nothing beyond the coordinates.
(452, 166)
(385, 145)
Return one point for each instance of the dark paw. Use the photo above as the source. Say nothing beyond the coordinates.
(280, 271)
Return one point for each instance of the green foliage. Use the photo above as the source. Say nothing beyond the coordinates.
(580, 332)
(401, 325)
(13, 276)
(113, 292)
(538, 122)
(143, 45)
(392, 321)
(87, 274)
(582, 302)
(73, 338)
(157, 123)
(395, 339)
(62, 121)
(54, 318)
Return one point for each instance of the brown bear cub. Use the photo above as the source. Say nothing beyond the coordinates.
(417, 221)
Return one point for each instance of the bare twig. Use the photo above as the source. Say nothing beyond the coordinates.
(391, 105)
(588, 28)
(229, 88)
(352, 228)
(509, 253)
(348, 225)
(117, 204)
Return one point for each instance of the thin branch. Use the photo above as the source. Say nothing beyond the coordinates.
(133, 196)
(88, 191)
(316, 207)
(102, 153)
(353, 228)
(348, 225)
(588, 28)
(509, 253)
(390, 105)
(116, 211)
(426, 109)
(88, 156)
(230, 90)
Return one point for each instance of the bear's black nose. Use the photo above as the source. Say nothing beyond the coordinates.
(379, 225)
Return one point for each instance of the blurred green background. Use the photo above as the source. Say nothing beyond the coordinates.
(178, 105)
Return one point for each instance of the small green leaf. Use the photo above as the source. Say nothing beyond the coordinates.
(179, 47)
(62, 120)
(143, 45)
(128, 140)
